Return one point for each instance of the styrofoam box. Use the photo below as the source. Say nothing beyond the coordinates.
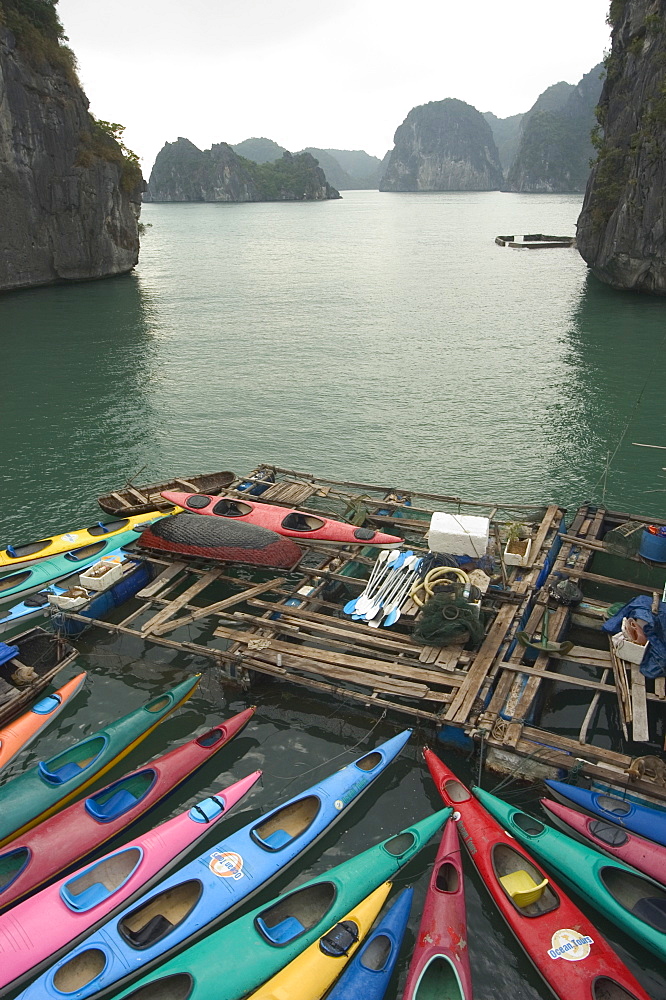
(102, 575)
(66, 603)
(627, 650)
(459, 534)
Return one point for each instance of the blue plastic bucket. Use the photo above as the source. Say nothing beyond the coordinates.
(653, 544)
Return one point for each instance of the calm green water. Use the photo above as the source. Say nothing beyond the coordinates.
(381, 338)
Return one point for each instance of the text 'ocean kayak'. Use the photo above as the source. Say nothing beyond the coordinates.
(45, 789)
(38, 930)
(84, 826)
(190, 901)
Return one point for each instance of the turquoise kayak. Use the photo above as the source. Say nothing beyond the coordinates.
(43, 790)
(633, 902)
(238, 958)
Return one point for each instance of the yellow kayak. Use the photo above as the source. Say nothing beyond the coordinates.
(16, 556)
(315, 970)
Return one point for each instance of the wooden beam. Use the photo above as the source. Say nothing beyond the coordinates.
(582, 736)
(212, 609)
(161, 580)
(180, 602)
(462, 703)
(640, 730)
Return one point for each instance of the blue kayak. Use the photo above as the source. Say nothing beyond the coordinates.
(186, 905)
(650, 823)
(368, 974)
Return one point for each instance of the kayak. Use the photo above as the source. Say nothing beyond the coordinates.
(32, 578)
(315, 970)
(35, 932)
(635, 851)
(371, 968)
(187, 904)
(245, 953)
(45, 789)
(20, 556)
(563, 945)
(141, 499)
(646, 822)
(135, 574)
(20, 733)
(633, 902)
(282, 520)
(440, 961)
(84, 826)
(214, 538)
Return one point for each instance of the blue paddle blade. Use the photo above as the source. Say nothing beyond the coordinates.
(349, 606)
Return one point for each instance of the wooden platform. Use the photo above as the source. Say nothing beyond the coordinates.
(290, 625)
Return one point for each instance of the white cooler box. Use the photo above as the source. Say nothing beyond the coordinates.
(459, 534)
(103, 574)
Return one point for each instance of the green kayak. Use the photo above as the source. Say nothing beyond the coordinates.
(245, 953)
(632, 901)
(45, 789)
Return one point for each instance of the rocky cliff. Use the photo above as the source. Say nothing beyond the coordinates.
(443, 146)
(183, 172)
(260, 150)
(622, 226)
(69, 196)
(555, 146)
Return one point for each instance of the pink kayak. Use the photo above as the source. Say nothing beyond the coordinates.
(440, 961)
(645, 855)
(34, 933)
(282, 520)
(60, 841)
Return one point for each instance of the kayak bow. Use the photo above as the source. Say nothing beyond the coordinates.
(20, 733)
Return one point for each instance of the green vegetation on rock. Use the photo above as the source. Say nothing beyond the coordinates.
(39, 33)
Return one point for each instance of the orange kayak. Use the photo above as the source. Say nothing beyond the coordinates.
(22, 731)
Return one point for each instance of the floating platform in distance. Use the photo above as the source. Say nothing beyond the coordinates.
(535, 241)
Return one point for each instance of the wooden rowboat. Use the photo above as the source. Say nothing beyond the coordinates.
(142, 499)
(27, 672)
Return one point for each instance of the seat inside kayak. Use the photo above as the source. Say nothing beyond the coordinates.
(121, 796)
(12, 863)
(178, 987)
(86, 552)
(100, 881)
(439, 981)
(638, 894)
(523, 883)
(284, 825)
(70, 763)
(230, 508)
(21, 551)
(158, 916)
(80, 971)
(377, 953)
(606, 989)
(296, 913)
(296, 521)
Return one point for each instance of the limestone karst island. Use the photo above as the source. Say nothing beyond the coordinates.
(333, 520)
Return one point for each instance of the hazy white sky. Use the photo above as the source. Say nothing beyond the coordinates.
(340, 74)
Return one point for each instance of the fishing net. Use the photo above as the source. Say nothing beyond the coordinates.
(448, 618)
(624, 540)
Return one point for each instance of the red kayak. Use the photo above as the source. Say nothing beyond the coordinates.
(281, 520)
(645, 855)
(565, 948)
(83, 827)
(440, 961)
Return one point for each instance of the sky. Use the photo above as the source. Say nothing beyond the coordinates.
(341, 74)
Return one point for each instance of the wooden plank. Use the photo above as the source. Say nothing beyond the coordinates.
(186, 484)
(180, 602)
(121, 499)
(369, 639)
(622, 695)
(546, 524)
(551, 675)
(161, 580)
(140, 497)
(462, 703)
(608, 580)
(660, 687)
(398, 642)
(212, 609)
(387, 685)
(582, 736)
(640, 730)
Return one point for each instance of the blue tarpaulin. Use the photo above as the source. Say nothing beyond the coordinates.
(654, 626)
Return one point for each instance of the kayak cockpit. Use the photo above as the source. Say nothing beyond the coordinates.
(446, 878)
(71, 763)
(638, 894)
(14, 580)
(400, 844)
(377, 953)
(12, 863)
(439, 981)
(455, 791)
(608, 833)
(230, 508)
(86, 552)
(100, 881)
(522, 882)
(160, 915)
(80, 971)
(297, 913)
(117, 799)
(30, 549)
(606, 989)
(105, 529)
(614, 806)
(296, 521)
(284, 825)
(178, 987)
(370, 761)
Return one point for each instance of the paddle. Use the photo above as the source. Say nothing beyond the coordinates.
(394, 611)
(382, 583)
(381, 559)
(395, 585)
(391, 606)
